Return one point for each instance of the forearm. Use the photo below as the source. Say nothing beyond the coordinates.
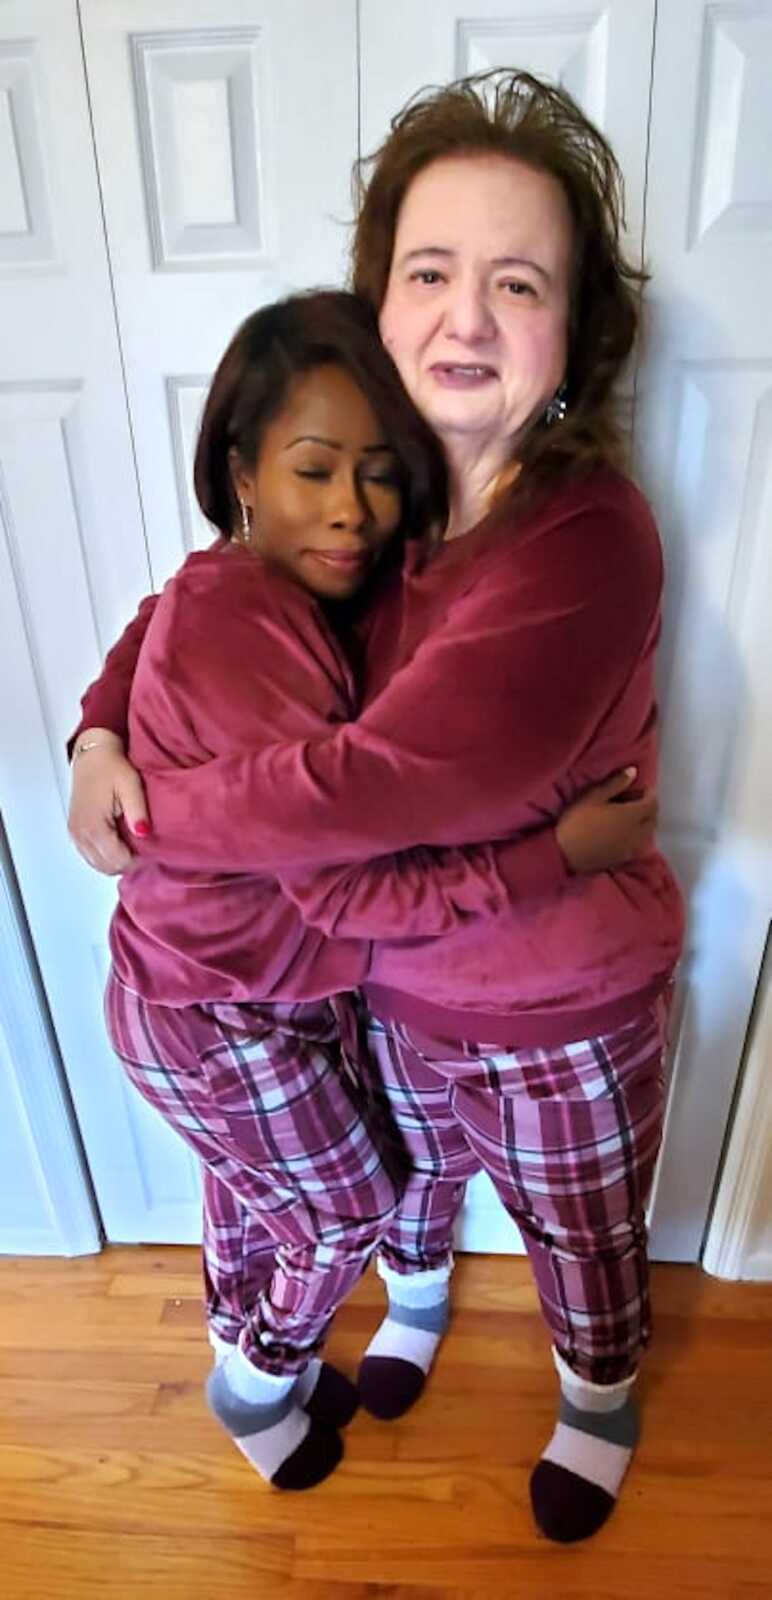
(425, 893)
(491, 711)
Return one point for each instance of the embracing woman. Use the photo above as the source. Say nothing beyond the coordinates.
(510, 671)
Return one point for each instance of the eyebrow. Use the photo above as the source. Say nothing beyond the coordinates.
(335, 444)
(436, 250)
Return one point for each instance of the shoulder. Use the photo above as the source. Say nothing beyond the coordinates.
(593, 530)
(602, 501)
(227, 581)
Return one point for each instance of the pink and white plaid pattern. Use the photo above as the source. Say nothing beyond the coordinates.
(258, 1091)
(569, 1136)
(239, 1258)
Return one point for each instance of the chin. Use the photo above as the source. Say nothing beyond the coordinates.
(337, 588)
(462, 413)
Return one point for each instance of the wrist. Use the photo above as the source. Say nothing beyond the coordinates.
(93, 739)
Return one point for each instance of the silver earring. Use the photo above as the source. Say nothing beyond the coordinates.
(246, 526)
(557, 408)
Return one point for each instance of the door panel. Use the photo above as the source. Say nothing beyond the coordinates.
(45, 1202)
(73, 565)
(704, 435)
(603, 57)
(224, 152)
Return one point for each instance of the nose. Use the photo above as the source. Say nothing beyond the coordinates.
(348, 508)
(468, 315)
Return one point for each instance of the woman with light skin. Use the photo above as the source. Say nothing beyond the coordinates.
(512, 672)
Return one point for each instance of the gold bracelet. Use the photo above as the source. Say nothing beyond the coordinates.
(82, 745)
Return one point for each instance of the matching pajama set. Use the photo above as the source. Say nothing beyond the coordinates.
(218, 999)
(522, 1028)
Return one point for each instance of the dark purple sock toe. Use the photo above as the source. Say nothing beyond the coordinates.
(335, 1399)
(312, 1462)
(388, 1387)
(566, 1507)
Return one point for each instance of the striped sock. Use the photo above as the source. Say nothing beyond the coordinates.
(575, 1485)
(396, 1363)
(263, 1417)
(321, 1390)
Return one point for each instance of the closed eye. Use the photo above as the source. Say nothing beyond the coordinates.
(387, 475)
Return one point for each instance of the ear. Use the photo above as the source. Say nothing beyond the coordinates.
(240, 479)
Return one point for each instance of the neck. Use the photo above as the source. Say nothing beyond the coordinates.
(474, 476)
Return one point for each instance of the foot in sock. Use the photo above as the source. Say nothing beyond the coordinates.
(262, 1414)
(397, 1361)
(576, 1484)
(327, 1395)
(321, 1390)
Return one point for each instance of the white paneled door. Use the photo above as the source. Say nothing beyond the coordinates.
(601, 53)
(603, 56)
(72, 566)
(225, 134)
(704, 436)
(214, 177)
(183, 161)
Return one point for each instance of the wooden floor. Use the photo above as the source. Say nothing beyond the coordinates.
(115, 1482)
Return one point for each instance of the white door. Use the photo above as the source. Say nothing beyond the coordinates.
(704, 434)
(72, 566)
(601, 54)
(45, 1203)
(223, 140)
(603, 57)
(224, 137)
(225, 133)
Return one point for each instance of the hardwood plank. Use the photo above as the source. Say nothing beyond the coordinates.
(114, 1479)
(73, 1564)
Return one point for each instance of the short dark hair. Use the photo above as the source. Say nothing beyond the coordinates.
(249, 388)
(514, 114)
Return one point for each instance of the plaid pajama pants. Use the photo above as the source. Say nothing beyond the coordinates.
(569, 1136)
(297, 1192)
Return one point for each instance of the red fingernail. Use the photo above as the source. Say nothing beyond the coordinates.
(141, 829)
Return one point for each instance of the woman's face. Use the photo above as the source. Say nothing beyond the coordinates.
(324, 493)
(476, 307)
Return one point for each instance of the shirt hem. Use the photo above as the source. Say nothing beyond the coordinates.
(523, 1030)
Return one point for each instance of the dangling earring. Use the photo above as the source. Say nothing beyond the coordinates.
(557, 408)
(246, 525)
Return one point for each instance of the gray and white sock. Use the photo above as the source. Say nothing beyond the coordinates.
(326, 1394)
(575, 1485)
(261, 1412)
(398, 1359)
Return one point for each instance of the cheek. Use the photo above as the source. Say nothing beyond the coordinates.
(281, 515)
(539, 354)
(401, 324)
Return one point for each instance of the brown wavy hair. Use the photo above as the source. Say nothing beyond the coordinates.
(516, 115)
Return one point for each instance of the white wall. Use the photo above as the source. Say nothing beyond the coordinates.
(739, 1242)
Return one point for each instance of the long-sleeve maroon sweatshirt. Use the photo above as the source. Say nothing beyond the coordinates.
(523, 671)
(236, 656)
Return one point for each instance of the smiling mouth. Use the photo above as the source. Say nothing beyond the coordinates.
(341, 560)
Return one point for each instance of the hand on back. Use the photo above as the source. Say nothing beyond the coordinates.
(603, 830)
